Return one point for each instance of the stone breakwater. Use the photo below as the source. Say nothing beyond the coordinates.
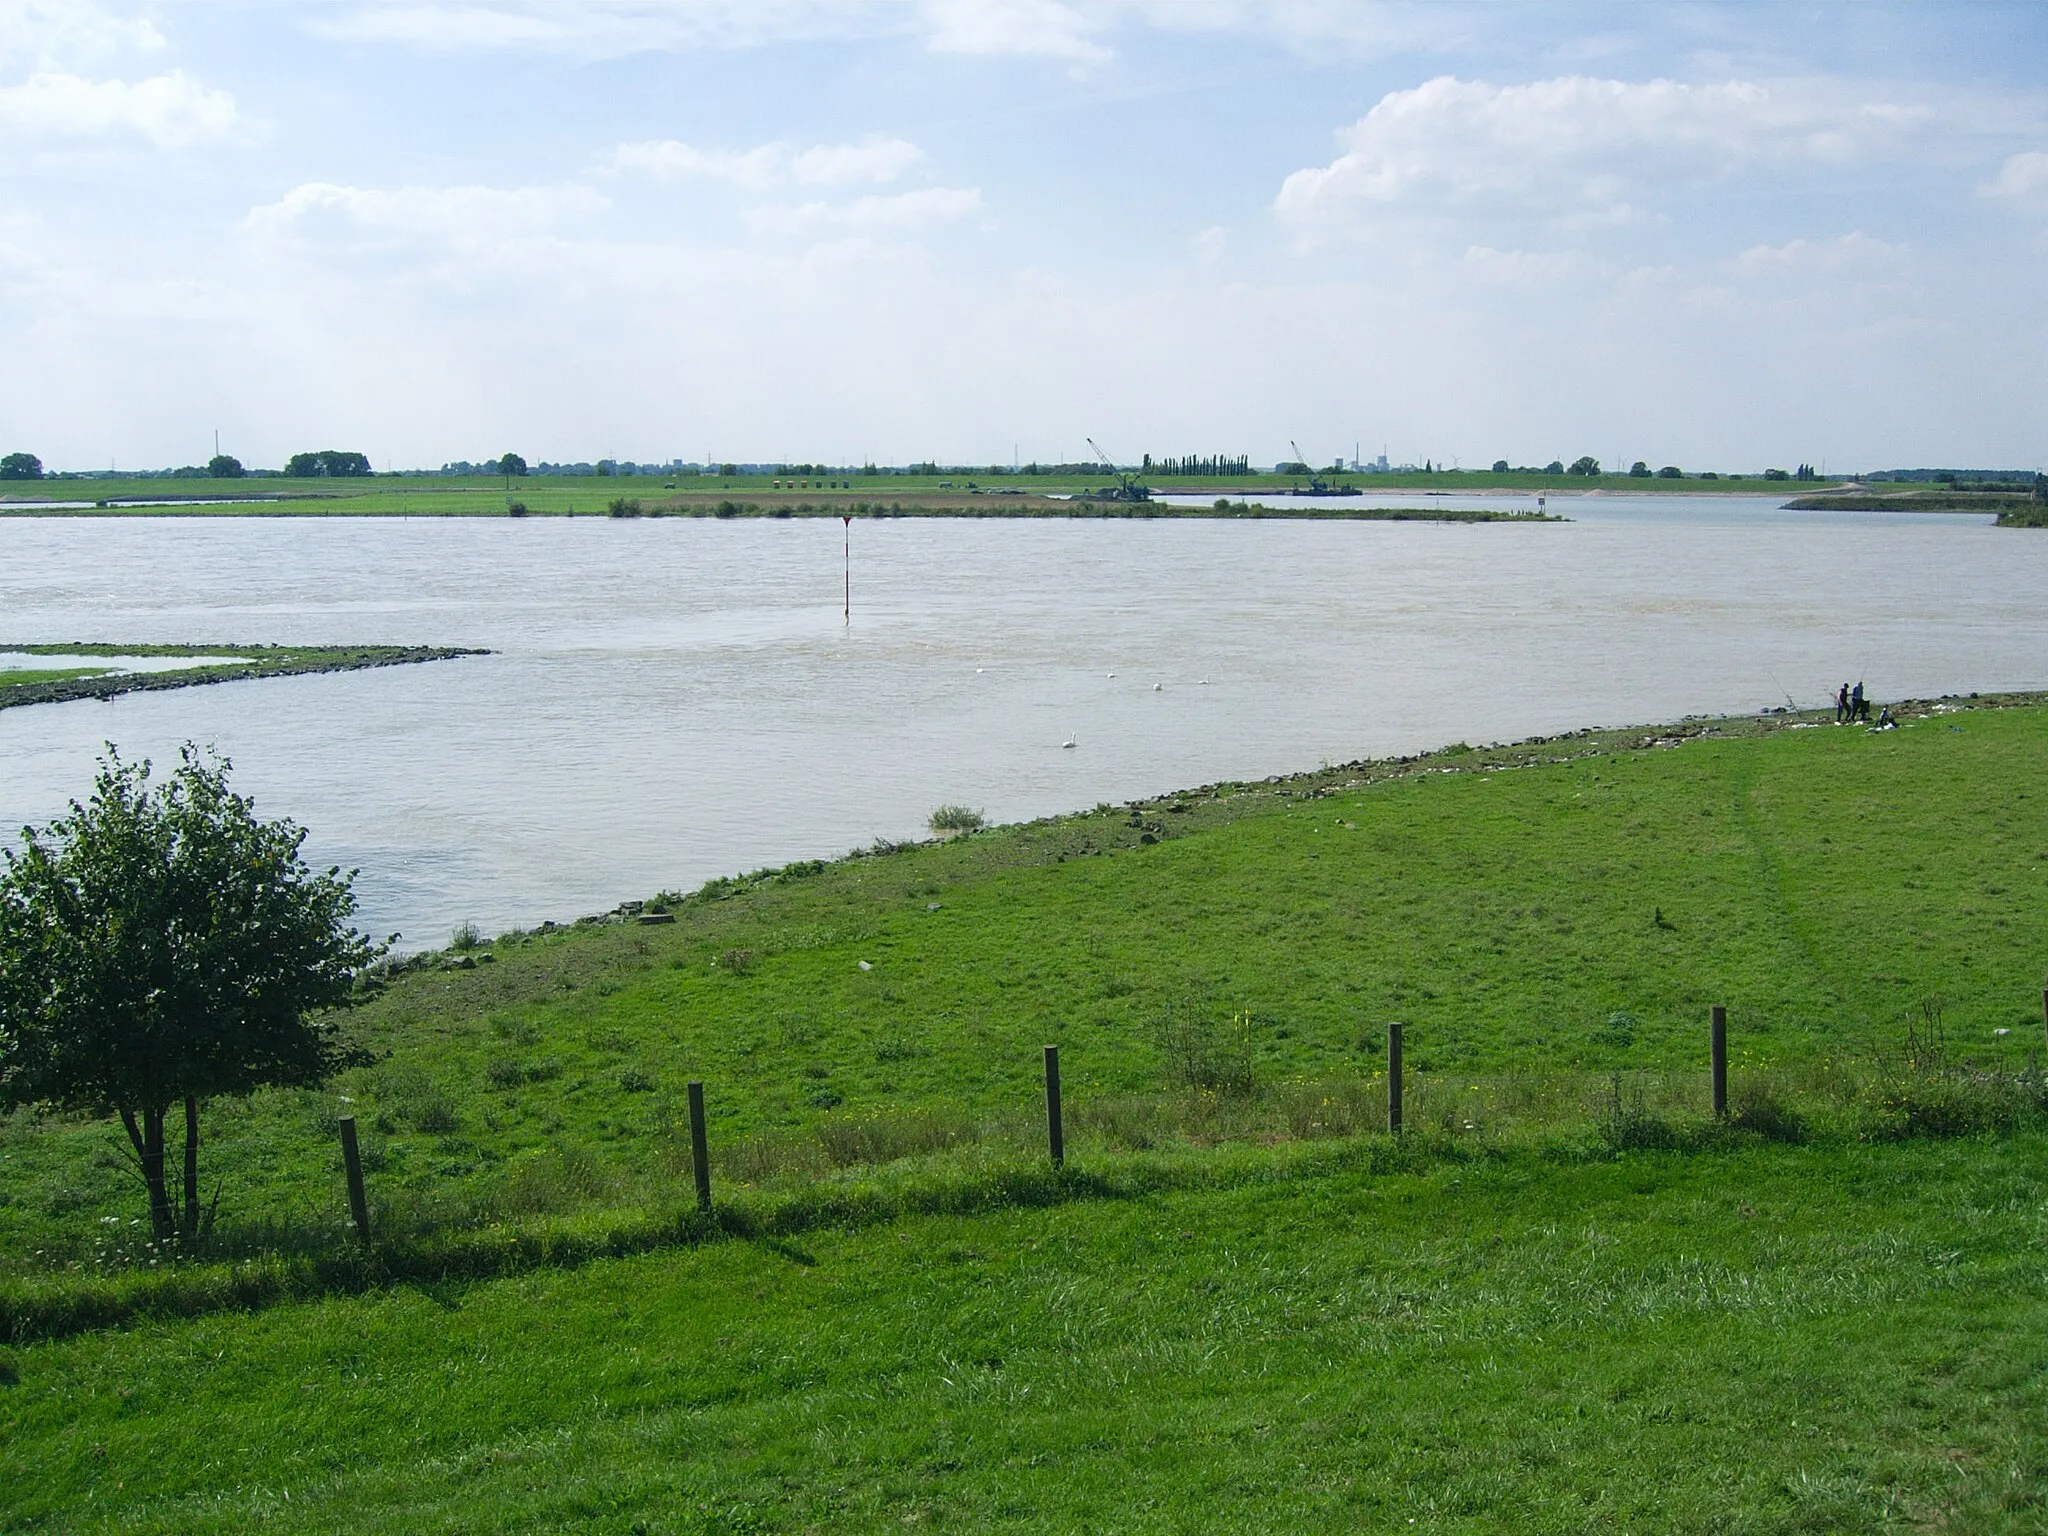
(266, 662)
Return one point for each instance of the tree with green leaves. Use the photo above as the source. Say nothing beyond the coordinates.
(160, 946)
(21, 466)
(1585, 464)
(331, 462)
(511, 464)
(224, 466)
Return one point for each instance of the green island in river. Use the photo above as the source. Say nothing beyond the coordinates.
(220, 664)
(998, 492)
(1566, 1296)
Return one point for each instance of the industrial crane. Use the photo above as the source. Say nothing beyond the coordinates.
(1127, 485)
(1317, 485)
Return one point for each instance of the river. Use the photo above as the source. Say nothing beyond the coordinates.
(677, 698)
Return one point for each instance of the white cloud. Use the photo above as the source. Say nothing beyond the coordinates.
(473, 218)
(75, 31)
(868, 215)
(1852, 254)
(600, 28)
(1315, 27)
(171, 110)
(1525, 269)
(1577, 147)
(2023, 178)
(669, 158)
(607, 28)
(836, 165)
(872, 159)
(1041, 28)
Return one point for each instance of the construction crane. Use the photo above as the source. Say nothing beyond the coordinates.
(1127, 486)
(1317, 485)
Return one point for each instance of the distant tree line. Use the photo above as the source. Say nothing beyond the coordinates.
(328, 463)
(1587, 466)
(1196, 464)
(336, 463)
(2020, 478)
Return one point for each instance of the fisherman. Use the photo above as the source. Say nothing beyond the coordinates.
(1859, 706)
(1885, 722)
(1842, 704)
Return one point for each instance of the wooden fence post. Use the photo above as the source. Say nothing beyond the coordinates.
(1719, 1047)
(1394, 1079)
(700, 1147)
(1055, 1128)
(352, 1165)
(2044, 1010)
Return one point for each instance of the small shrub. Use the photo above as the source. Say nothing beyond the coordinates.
(739, 962)
(515, 509)
(1627, 1125)
(1757, 1108)
(621, 506)
(466, 938)
(504, 1074)
(1204, 1053)
(633, 1080)
(956, 818)
(436, 1118)
(406, 1095)
(1921, 1092)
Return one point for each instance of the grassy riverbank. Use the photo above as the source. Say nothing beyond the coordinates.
(434, 495)
(1543, 914)
(1567, 1295)
(2016, 505)
(222, 664)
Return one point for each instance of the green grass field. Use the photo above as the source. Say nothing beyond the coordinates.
(554, 495)
(22, 677)
(1779, 1340)
(1566, 1300)
(212, 664)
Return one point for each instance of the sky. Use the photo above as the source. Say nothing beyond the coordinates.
(1718, 236)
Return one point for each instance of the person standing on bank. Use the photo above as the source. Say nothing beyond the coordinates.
(1859, 706)
(1842, 704)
